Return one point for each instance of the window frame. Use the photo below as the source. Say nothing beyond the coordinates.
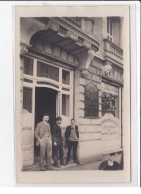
(110, 29)
(25, 87)
(98, 102)
(24, 59)
(46, 64)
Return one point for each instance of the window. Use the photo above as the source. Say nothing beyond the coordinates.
(27, 99)
(110, 104)
(48, 71)
(91, 100)
(28, 66)
(65, 105)
(109, 28)
(65, 77)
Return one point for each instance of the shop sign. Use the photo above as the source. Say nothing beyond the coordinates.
(110, 127)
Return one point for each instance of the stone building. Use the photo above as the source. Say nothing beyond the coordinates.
(73, 68)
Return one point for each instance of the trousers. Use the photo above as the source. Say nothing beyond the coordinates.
(45, 152)
(72, 144)
(58, 153)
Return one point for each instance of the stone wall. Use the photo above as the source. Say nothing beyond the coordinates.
(90, 148)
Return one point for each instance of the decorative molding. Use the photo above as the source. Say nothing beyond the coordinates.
(23, 50)
(107, 68)
(85, 60)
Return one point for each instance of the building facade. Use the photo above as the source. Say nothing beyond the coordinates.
(73, 68)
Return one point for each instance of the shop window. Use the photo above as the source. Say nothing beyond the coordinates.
(109, 28)
(91, 100)
(27, 99)
(28, 66)
(47, 71)
(65, 105)
(65, 77)
(110, 104)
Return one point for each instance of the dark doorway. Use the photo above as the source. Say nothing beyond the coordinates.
(45, 102)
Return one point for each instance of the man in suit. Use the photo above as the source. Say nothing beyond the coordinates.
(43, 137)
(72, 136)
(57, 141)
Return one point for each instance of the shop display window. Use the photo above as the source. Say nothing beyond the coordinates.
(110, 104)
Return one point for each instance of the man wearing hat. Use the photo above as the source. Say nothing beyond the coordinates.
(57, 142)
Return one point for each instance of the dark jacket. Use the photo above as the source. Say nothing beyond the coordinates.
(68, 132)
(56, 134)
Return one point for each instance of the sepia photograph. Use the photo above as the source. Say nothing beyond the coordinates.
(72, 83)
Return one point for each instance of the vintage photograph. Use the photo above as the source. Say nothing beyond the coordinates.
(71, 77)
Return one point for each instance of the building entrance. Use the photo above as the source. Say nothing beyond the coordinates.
(45, 102)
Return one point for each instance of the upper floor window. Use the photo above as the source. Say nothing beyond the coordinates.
(28, 66)
(109, 29)
(48, 71)
(91, 100)
(113, 29)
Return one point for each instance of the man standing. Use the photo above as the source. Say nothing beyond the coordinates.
(43, 137)
(57, 141)
(72, 136)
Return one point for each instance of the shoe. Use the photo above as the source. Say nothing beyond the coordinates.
(77, 162)
(57, 165)
(62, 163)
(50, 168)
(42, 169)
(67, 162)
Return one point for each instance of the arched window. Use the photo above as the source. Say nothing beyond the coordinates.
(91, 100)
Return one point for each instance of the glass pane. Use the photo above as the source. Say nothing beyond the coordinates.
(111, 27)
(48, 71)
(28, 66)
(91, 100)
(107, 25)
(65, 105)
(27, 99)
(53, 73)
(110, 104)
(65, 77)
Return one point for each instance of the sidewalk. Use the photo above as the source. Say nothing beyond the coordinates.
(72, 166)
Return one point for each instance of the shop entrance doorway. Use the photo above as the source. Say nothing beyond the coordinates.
(45, 102)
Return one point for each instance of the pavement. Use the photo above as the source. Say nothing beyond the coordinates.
(72, 166)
